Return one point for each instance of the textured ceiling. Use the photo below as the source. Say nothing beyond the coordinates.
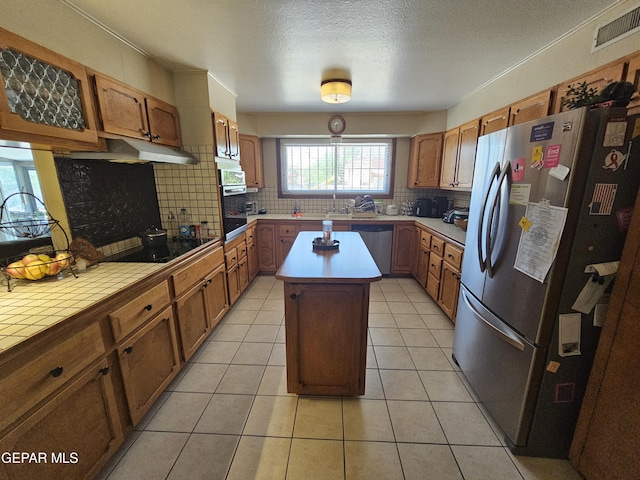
(402, 55)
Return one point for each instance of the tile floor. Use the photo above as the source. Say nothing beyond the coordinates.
(228, 415)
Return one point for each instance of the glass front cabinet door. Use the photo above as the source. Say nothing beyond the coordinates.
(45, 97)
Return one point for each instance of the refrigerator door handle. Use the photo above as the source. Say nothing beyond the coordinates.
(510, 339)
(495, 206)
(494, 175)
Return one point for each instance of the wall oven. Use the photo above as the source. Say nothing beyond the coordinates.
(233, 202)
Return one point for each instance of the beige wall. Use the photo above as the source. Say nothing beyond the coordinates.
(51, 24)
(567, 58)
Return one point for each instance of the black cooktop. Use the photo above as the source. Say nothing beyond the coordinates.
(144, 255)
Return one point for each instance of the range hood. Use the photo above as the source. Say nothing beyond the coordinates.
(130, 150)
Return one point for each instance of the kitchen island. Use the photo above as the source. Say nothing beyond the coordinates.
(326, 295)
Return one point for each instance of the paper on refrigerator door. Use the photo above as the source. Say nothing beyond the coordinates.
(570, 330)
(539, 243)
(602, 274)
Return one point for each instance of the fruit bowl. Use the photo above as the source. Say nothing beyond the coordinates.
(33, 267)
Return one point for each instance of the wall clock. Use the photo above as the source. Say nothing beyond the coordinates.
(337, 125)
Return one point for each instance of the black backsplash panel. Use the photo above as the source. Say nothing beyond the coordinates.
(107, 202)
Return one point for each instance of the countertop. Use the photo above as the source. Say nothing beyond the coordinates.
(349, 263)
(448, 230)
(34, 306)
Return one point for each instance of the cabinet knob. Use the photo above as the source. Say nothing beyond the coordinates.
(148, 307)
(293, 296)
(128, 350)
(156, 137)
(56, 372)
(147, 134)
(104, 371)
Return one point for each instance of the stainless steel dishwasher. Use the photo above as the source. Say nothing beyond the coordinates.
(379, 240)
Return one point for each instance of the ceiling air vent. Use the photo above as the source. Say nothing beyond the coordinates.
(617, 29)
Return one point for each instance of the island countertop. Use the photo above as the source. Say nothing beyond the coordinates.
(350, 263)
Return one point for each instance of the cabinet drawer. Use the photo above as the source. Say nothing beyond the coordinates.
(433, 285)
(288, 230)
(34, 378)
(437, 245)
(435, 265)
(453, 255)
(196, 271)
(231, 257)
(425, 239)
(249, 235)
(242, 250)
(135, 313)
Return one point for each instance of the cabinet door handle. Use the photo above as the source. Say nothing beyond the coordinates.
(56, 372)
(128, 350)
(147, 134)
(148, 308)
(104, 371)
(156, 137)
(293, 296)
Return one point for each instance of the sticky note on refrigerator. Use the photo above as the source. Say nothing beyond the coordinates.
(559, 171)
(570, 332)
(525, 224)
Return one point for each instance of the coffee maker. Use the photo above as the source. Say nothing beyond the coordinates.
(430, 207)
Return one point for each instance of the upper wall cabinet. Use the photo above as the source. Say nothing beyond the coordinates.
(251, 160)
(599, 79)
(531, 108)
(126, 111)
(633, 76)
(458, 156)
(494, 121)
(425, 153)
(46, 97)
(227, 137)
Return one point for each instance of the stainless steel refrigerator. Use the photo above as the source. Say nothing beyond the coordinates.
(549, 198)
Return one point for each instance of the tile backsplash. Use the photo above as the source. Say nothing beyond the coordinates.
(194, 187)
(267, 198)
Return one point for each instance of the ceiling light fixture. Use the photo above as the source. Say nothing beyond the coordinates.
(335, 91)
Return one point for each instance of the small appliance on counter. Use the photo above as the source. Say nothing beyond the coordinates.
(252, 208)
(430, 207)
(457, 213)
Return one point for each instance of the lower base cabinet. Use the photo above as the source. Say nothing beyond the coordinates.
(449, 289)
(58, 434)
(148, 362)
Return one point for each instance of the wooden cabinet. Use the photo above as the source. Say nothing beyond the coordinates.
(633, 77)
(286, 236)
(235, 254)
(422, 263)
(76, 431)
(251, 160)
(266, 235)
(47, 97)
(459, 155)
(403, 255)
(531, 108)
(425, 153)
(129, 317)
(253, 265)
(201, 299)
(148, 362)
(30, 379)
(494, 121)
(227, 137)
(126, 111)
(599, 79)
(450, 280)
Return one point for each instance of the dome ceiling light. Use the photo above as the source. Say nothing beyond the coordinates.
(335, 91)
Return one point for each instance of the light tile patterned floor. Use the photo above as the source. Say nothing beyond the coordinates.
(228, 415)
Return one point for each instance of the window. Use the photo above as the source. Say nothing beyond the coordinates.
(315, 167)
(18, 174)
